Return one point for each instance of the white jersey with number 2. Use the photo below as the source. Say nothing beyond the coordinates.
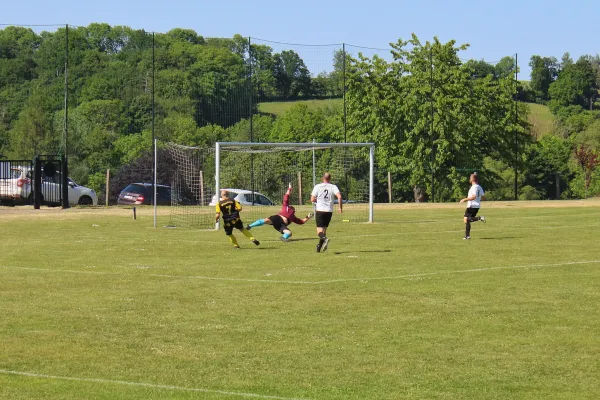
(325, 194)
(476, 191)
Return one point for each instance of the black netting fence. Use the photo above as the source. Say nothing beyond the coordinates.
(100, 94)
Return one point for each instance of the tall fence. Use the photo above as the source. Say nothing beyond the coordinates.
(100, 95)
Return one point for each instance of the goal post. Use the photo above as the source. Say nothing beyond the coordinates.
(257, 175)
(262, 148)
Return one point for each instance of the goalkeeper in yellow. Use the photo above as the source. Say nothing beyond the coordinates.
(229, 209)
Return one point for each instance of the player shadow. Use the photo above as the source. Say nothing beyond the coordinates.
(412, 222)
(362, 251)
(500, 238)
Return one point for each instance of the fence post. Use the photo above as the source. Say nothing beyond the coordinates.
(107, 195)
(37, 183)
(201, 187)
(516, 130)
(390, 186)
(299, 188)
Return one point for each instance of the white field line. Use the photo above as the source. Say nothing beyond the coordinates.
(145, 385)
(327, 281)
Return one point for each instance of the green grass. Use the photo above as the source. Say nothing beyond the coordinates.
(279, 108)
(399, 309)
(541, 119)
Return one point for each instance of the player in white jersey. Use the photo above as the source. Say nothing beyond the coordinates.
(323, 197)
(473, 199)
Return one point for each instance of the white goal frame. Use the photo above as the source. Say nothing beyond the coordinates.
(314, 146)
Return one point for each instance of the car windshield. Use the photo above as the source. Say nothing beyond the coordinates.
(134, 188)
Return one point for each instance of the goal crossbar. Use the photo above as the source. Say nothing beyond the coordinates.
(224, 145)
(304, 146)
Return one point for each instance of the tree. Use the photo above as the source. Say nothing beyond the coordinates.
(588, 160)
(262, 65)
(544, 71)
(548, 165)
(292, 77)
(505, 68)
(429, 116)
(566, 60)
(576, 85)
(480, 69)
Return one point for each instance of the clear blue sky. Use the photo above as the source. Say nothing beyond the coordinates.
(493, 29)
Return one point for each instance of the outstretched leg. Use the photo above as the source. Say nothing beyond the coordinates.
(259, 222)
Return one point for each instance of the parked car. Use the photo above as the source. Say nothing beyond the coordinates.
(13, 186)
(18, 189)
(244, 197)
(143, 193)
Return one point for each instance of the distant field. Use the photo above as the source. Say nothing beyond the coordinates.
(541, 119)
(95, 305)
(280, 107)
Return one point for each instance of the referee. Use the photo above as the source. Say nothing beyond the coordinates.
(322, 196)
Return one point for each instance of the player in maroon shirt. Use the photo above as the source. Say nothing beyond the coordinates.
(281, 221)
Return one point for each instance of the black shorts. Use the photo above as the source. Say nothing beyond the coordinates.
(323, 219)
(471, 212)
(277, 222)
(233, 224)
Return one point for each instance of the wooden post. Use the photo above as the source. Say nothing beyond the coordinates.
(299, 188)
(202, 188)
(107, 186)
(390, 186)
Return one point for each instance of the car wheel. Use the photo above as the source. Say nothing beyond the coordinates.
(85, 201)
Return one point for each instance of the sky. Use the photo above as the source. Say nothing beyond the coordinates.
(492, 29)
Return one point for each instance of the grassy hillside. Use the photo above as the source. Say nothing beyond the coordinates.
(280, 107)
(541, 119)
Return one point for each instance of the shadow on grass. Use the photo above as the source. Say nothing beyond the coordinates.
(500, 238)
(362, 251)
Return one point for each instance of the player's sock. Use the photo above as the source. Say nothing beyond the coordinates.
(321, 241)
(233, 240)
(468, 229)
(474, 219)
(256, 223)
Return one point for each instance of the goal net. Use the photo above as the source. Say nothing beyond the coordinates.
(258, 174)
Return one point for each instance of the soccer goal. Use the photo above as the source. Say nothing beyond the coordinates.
(258, 174)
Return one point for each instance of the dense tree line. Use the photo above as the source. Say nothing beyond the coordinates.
(571, 150)
(433, 117)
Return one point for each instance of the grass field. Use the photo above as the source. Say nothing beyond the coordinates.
(95, 305)
(541, 119)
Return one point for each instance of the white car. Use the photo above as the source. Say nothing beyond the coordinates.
(19, 186)
(13, 186)
(244, 197)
